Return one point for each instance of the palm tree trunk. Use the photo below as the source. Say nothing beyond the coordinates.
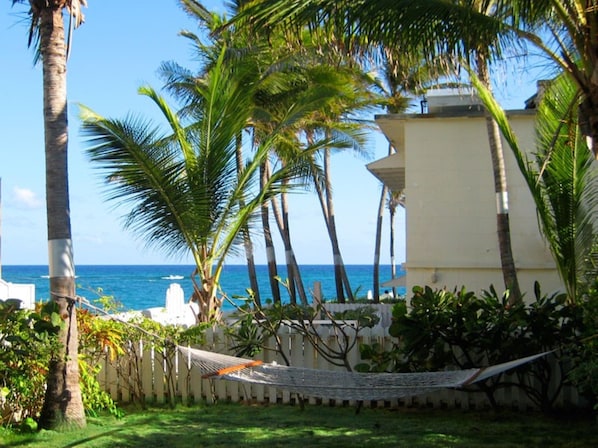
(247, 243)
(283, 229)
(296, 286)
(205, 293)
(340, 274)
(378, 243)
(378, 238)
(269, 243)
(588, 115)
(502, 201)
(251, 270)
(393, 262)
(63, 404)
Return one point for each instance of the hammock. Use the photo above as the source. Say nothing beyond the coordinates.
(341, 385)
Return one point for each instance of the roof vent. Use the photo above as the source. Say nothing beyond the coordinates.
(452, 100)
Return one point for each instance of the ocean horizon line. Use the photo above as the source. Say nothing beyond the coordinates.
(189, 264)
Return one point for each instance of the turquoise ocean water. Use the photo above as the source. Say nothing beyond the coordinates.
(144, 286)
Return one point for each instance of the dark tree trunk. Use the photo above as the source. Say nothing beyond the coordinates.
(269, 243)
(502, 201)
(63, 404)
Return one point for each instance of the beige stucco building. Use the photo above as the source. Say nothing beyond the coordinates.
(443, 165)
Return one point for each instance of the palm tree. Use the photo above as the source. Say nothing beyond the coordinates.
(403, 75)
(565, 32)
(63, 405)
(337, 124)
(561, 178)
(562, 30)
(433, 28)
(394, 200)
(340, 92)
(275, 72)
(186, 192)
(181, 81)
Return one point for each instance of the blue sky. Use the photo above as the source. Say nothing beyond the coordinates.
(118, 49)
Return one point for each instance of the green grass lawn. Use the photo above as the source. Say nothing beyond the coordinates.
(232, 425)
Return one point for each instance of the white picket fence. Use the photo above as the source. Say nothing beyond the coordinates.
(150, 375)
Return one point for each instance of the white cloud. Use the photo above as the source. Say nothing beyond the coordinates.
(26, 198)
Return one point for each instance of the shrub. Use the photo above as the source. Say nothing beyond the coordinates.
(253, 330)
(444, 329)
(585, 354)
(27, 343)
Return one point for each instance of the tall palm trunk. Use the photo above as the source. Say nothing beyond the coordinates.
(393, 203)
(63, 404)
(251, 269)
(378, 242)
(378, 237)
(588, 112)
(247, 243)
(269, 243)
(327, 204)
(500, 187)
(296, 286)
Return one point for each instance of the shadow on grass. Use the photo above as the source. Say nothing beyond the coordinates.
(226, 425)
(92, 438)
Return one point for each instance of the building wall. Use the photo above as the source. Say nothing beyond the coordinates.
(451, 207)
(24, 292)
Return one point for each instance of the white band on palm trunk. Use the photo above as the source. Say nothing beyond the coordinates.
(60, 254)
(502, 203)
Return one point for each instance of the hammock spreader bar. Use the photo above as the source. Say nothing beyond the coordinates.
(231, 369)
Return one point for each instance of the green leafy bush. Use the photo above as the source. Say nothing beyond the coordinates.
(585, 354)
(459, 330)
(27, 343)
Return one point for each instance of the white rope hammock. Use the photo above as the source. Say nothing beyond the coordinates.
(342, 385)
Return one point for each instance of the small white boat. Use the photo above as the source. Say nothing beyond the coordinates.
(174, 277)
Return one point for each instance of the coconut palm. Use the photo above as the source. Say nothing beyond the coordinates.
(467, 29)
(186, 193)
(403, 76)
(335, 124)
(275, 72)
(181, 81)
(63, 405)
(341, 92)
(394, 200)
(565, 32)
(561, 177)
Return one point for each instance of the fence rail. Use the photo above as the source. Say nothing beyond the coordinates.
(150, 375)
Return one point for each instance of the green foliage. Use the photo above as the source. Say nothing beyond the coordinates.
(365, 316)
(248, 339)
(27, 344)
(561, 179)
(585, 355)
(123, 344)
(459, 330)
(28, 425)
(376, 357)
(95, 399)
(257, 326)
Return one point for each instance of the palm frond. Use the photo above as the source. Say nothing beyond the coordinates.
(562, 181)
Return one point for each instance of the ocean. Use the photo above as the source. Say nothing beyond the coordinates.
(139, 287)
